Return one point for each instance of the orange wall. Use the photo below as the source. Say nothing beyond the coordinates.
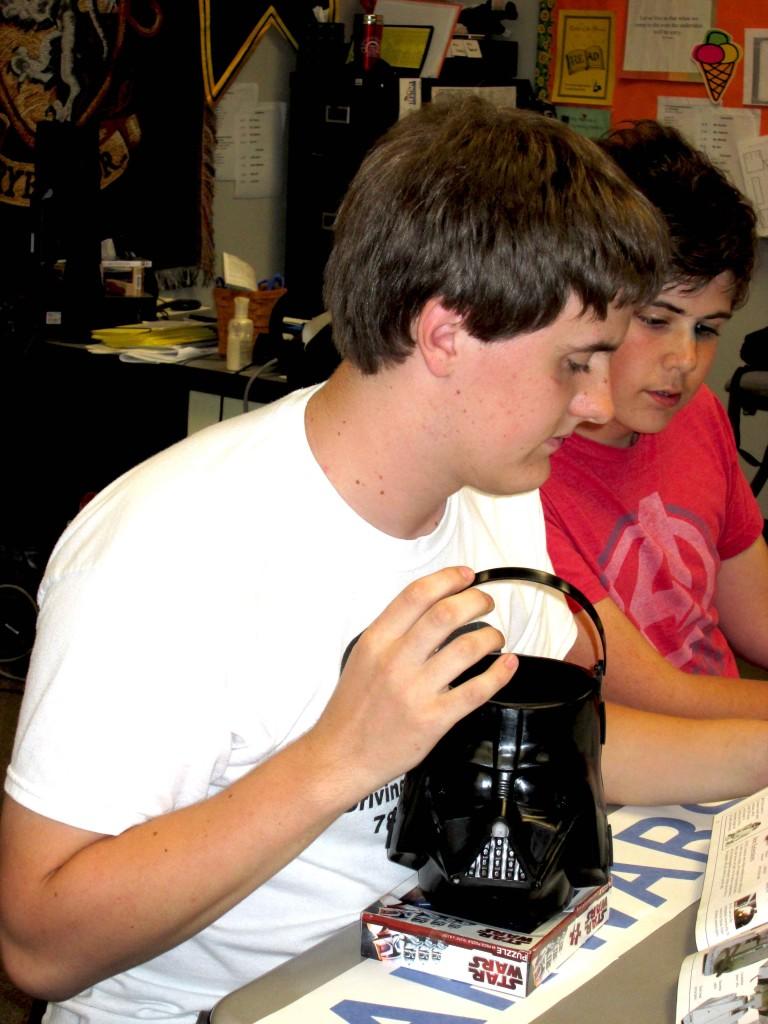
(635, 98)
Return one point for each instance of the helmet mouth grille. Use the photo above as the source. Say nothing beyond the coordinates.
(497, 861)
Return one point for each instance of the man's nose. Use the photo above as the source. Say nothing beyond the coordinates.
(594, 402)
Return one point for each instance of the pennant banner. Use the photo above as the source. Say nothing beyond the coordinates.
(229, 31)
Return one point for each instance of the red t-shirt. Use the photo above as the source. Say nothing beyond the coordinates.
(649, 526)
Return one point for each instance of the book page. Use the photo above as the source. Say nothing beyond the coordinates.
(734, 897)
(728, 982)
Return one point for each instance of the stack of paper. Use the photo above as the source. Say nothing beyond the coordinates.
(156, 334)
(172, 354)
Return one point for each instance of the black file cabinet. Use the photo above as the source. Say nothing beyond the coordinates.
(334, 118)
(336, 113)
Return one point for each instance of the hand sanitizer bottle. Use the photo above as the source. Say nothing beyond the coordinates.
(239, 336)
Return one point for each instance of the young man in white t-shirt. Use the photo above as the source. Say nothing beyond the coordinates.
(197, 790)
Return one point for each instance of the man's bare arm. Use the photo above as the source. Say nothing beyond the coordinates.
(742, 602)
(660, 759)
(76, 906)
(637, 675)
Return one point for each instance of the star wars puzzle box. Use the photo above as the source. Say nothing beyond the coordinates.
(401, 927)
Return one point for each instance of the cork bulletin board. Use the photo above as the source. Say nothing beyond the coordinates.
(636, 97)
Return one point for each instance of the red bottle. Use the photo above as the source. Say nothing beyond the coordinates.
(369, 45)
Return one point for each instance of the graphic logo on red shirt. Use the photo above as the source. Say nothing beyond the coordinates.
(661, 571)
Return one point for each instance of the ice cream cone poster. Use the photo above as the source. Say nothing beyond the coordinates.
(716, 58)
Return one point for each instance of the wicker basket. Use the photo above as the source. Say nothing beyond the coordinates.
(259, 310)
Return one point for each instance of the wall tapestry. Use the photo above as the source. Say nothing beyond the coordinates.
(133, 68)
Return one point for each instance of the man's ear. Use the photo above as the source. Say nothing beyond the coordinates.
(435, 333)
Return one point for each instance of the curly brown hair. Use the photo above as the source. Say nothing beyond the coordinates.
(711, 224)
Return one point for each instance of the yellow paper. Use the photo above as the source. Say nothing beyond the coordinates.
(404, 46)
(153, 334)
(586, 60)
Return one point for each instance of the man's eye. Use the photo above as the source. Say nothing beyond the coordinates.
(651, 321)
(575, 367)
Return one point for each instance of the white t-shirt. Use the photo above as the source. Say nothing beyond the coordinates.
(193, 620)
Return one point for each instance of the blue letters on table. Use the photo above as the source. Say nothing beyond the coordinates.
(685, 833)
(645, 877)
(354, 1012)
(456, 988)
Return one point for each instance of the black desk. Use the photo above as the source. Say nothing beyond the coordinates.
(75, 421)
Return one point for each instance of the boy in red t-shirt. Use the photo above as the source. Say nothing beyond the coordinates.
(650, 514)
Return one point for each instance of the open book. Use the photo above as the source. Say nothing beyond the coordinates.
(727, 980)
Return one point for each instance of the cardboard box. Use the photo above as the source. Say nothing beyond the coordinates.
(402, 927)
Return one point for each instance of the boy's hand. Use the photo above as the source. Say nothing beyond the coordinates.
(393, 701)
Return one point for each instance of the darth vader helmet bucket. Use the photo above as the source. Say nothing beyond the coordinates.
(506, 815)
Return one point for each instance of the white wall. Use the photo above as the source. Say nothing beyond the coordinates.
(253, 229)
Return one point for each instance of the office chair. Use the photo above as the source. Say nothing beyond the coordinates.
(747, 395)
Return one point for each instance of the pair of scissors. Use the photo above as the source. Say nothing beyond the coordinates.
(268, 284)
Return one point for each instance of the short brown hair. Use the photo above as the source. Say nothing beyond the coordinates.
(501, 213)
(712, 226)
